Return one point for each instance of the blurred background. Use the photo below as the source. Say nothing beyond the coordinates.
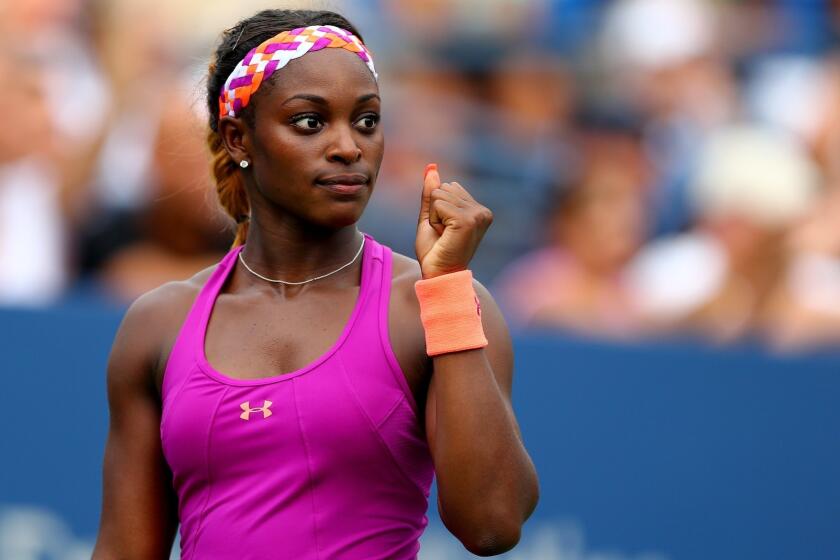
(665, 180)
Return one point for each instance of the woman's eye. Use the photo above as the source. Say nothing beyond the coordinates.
(368, 122)
(307, 122)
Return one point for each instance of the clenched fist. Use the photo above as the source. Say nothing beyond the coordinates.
(450, 227)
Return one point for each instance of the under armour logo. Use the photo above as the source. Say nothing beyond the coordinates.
(247, 410)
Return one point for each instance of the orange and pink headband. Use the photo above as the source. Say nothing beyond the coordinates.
(275, 53)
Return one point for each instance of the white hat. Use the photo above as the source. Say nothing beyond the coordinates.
(653, 34)
(755, 173)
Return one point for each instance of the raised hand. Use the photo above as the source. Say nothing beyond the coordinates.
(450, 227)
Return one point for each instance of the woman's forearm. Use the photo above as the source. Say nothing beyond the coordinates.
(487, 483)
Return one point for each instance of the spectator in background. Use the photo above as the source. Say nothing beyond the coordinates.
(666, 59)
(497, 117)
(147, 219)
(496, 89)
(54, 97)
(724, 280)
(521, 145)
(595, 226)
(809, 313)
(799, 94)
(33, 267)
(55, 30)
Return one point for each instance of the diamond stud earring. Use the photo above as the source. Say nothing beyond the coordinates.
(244, 163)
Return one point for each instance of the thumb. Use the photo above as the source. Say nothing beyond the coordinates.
(431, 181)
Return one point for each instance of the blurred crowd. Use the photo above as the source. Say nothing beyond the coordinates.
(655, 167)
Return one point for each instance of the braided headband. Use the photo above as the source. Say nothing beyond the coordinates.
(275, 53)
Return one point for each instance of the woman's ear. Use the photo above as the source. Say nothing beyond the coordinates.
(234, 134)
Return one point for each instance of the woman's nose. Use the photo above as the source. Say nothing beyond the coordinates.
(343, 147)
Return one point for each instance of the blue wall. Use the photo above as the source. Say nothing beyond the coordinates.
(673, 451)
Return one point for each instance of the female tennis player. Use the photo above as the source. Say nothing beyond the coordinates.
(295, 400)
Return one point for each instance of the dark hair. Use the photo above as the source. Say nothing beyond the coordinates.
(235, 43)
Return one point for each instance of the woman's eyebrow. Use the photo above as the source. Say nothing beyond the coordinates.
(308, 97)
(368, 97)
(322, 101)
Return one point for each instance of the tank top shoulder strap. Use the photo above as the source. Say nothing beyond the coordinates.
(371, 286)
(372, 327)
(182, 358)
(386, 281)
(362, 317)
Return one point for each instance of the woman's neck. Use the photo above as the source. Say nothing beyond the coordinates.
(296, 254)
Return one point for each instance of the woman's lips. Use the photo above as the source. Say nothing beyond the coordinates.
(343, 184)
(343, 188)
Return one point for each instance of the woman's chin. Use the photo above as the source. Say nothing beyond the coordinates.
(342, 218)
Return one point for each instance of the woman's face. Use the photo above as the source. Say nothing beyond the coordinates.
(316, 146)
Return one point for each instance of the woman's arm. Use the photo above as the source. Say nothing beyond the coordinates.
(487, 484)
(139, 508)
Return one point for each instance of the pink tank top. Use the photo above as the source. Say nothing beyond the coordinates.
(326, 462)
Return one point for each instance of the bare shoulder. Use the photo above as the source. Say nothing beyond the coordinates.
(150, 326)
(406, 315)
(405, 272)
(167, 303)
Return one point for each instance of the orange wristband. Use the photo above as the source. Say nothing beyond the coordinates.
(450, 313)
